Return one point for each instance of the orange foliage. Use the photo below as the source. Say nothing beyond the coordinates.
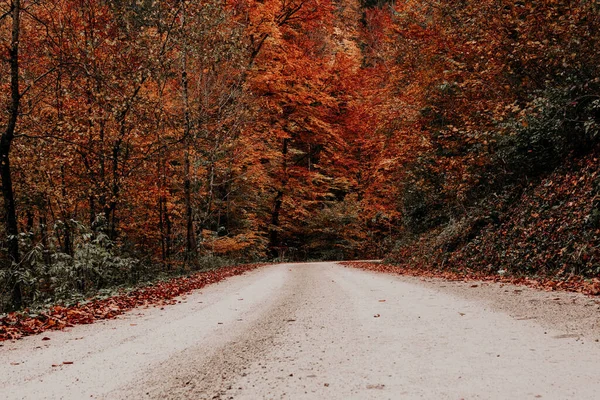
(248, 129)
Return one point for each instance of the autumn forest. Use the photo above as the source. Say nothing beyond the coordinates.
(142, 138)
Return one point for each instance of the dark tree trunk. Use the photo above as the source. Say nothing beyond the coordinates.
(92, 211)
(30, 222)
(163, 215)
(190, 237)
(67, 234)
(161, 228)
(274, 229)
(190, 241)
(10, 211)
(277, 204)
(168, 242)
(165, 231)
(44, 237)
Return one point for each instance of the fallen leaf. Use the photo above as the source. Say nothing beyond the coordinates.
(378, 386)
(45, 338)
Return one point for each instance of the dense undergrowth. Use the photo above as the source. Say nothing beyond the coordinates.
(161, 292)
(549, 226)
(96, 268)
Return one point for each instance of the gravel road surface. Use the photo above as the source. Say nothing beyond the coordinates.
(323, 331)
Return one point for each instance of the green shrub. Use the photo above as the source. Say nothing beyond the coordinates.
(556, 123)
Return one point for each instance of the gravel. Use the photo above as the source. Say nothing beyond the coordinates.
(314, 331)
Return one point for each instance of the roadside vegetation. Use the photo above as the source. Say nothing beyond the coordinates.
(150, 139)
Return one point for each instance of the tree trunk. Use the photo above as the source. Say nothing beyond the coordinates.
(165, 230)
(274, 229)
(68, 237)
(278, 202)
(190, 242)
(169, 235)
(161, 228)
(190, 237)
(44, 237)
(92, 210)
(10, 218)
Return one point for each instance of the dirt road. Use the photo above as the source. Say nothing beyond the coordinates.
(322, 331)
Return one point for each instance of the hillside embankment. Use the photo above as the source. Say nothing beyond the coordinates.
(549, 227)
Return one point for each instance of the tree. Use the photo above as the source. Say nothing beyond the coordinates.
(8, 135)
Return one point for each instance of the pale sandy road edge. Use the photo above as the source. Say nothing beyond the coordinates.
(110, 353)
(569, 312)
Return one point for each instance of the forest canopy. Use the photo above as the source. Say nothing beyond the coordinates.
(146, 137)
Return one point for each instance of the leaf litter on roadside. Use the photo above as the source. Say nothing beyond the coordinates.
(17, 325)
(572, 284)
